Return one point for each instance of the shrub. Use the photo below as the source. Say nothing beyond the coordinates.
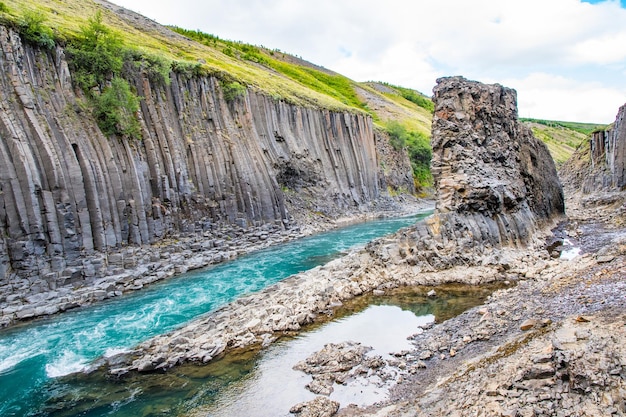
(34, 31)
(115, 110)
(418, 99)
(189, 69)
(157, 68)
(397, 135)
(418, 148)
(414, 97)
(232, 90)
(97, 54)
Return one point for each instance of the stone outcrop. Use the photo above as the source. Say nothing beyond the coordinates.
(337, 363)
(600, 165)
(70, 197)
(496, 183)
(318, 407)
(486, 162)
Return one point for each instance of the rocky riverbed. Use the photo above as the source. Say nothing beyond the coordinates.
(551, 345)
(301, 299)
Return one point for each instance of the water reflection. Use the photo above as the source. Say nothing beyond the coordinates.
(262, 383)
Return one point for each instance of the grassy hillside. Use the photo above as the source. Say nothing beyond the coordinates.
(406, 115)
(562, 138)
(65, 18)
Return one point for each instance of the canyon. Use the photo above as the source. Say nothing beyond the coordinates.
(479, 220)
(210, 179)
(85, 217)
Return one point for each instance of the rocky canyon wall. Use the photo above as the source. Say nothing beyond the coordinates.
(496, 183)
(607, 168)
(68, 194)
(599, 164)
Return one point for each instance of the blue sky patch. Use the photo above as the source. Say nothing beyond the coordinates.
(622, 2)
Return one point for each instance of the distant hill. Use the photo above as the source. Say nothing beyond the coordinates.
(562, 138)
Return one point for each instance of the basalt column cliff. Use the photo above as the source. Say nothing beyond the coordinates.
(601, 163)
(68, 194)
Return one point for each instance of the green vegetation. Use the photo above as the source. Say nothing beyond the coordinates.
(97, 56)
(232, 90)
(418, 148)
(584, 128)
(560, 137)
(333, 85)
(336, 86)
(156, 67)
(115, 110)
(233, 49)
(33, 29)
(414, 97)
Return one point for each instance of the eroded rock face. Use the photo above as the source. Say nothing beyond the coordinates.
(496, 183)
(484, 160)
(601, 165)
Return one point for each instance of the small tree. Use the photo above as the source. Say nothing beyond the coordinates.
(397, 135)
(97, 54)
(98, 57)
(34, 31)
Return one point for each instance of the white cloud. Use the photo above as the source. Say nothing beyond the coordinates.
(576, 101)
(413, 43)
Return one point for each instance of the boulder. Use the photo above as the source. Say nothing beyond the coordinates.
(318, 407)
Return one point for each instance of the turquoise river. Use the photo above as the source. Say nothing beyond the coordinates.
(40, 360)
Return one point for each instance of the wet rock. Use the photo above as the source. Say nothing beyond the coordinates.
(318, 407)
(337, 363)
(323, 384)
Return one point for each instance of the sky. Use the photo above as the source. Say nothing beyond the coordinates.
(565, 58)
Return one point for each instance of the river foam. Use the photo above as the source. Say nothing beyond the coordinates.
(68, 363)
